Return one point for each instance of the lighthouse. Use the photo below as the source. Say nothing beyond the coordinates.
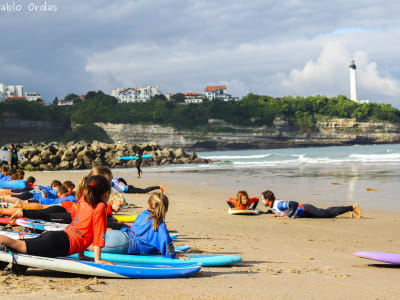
(353, 84)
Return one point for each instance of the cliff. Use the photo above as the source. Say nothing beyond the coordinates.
(226, 136)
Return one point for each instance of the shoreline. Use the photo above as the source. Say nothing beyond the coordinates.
(282, 259)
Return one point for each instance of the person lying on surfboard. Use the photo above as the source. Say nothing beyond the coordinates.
(242, 202)
(148, 234)
(34, 194)
(88, 227)
(292, 209)
(121, 186)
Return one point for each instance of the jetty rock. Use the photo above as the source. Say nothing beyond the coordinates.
(83, 155)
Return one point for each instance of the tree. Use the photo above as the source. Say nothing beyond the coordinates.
(179, 98)
(55, 101)
(71, 96)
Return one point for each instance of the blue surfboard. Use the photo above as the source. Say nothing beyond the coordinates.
(119, 270)
(134, 157)
(210, 260)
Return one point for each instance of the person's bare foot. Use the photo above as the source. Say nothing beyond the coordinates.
(350, 214)
(357, 211)
(16, 215)
(163, 189)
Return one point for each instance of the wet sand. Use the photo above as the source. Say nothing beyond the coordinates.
(282, 259)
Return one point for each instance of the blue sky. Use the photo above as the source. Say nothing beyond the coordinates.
(276, 48)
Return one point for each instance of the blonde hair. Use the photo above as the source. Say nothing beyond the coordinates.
(100, 170)
(158, 203)
(239, 197)
(117, 197)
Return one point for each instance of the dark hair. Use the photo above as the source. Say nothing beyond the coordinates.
(56, 182)
(62, 189)
(68, 184)
(30, 179)
(268, 195)
(94, 189)
(158, 203)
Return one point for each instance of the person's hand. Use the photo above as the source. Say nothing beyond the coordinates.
(181, 256)
(82, 256)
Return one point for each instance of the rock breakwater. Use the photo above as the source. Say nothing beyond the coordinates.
(82, 155)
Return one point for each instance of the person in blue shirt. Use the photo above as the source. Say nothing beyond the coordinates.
(148, 234)
(292, 209)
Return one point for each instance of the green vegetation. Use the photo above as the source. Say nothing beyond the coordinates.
(251, 110)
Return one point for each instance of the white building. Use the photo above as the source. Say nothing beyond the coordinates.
(17, 91)
(193, 98)
(218, 92)
(127, 95)
(32, 96)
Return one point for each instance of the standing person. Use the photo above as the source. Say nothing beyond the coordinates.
(87, 227)
(14, 157)
(139, 154)
(292, 209)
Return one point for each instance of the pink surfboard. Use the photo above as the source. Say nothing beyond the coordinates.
(390, 258)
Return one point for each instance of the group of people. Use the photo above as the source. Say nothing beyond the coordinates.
(290, 209)
(89, 215)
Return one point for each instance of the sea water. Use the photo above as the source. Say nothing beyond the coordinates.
(365, 174)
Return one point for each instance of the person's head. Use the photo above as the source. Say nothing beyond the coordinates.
(268, 198)
(100, 170)
(30, 180)
(69, 185)
(242, 198)
(158, 207)
(117, 201)
(11, 147)
(96, 189)
(55, 184)
(5, 170)
(19, 174)
(62, 192)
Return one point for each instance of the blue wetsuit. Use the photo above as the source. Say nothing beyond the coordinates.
(144, 240)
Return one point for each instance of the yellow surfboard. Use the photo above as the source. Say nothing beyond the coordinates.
(125, 219)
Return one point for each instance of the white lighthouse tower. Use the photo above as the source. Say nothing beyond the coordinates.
(353, 84)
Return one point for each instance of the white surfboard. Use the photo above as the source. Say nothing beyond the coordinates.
(6, 156)
(242, 211)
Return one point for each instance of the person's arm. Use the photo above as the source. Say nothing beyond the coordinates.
(97, 256)
(289, 207)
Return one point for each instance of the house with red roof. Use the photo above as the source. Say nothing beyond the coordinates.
(218, 92)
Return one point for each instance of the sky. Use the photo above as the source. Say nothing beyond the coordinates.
(276, 48)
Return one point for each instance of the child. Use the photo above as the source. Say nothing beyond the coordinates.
(87, 227)
(148, 234)
(286, 209)
(242, 201)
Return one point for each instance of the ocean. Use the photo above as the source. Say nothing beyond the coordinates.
(367, 174)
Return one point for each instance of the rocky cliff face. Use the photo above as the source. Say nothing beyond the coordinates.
(227, 136)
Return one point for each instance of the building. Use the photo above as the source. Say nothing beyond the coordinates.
(65, 102)
(217, 92)
(128, 95)
(32, 96)
(193, 98)
(17, 92)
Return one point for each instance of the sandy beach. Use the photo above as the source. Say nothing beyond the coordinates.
(282, 259)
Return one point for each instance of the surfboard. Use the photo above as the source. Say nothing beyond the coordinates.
(120, 270)
(41, 225)
(125, 219)
(242, 211)
(390, 258)
(6, 220)
(210, 260)
(134, 157)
